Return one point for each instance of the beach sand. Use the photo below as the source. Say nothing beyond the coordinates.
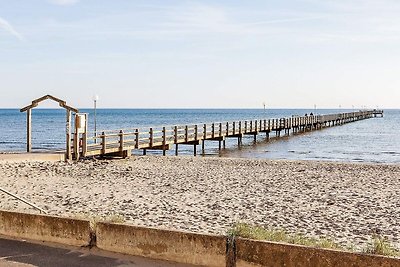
(344, 201)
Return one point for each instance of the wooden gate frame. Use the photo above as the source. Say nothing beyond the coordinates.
(62, 104)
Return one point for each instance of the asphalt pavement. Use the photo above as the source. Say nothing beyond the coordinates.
(19, 253)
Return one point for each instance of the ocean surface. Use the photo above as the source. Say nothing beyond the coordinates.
(372, 140)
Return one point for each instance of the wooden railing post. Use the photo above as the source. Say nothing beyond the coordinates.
(227, 129)
(220, 129)
(164, 140)
(240, 127)
(186, 134)
(121, 141)
(213, 130)
(103, 143)
(175, 134)
(137, 138)
(195, 133)
(234, 128)
(84, 137)
(245, 126)
(151, 137)
(204, 132)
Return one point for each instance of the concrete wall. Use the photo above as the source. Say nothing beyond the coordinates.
(183, 247)
(45, 228)
(205, 250)
(260, 253)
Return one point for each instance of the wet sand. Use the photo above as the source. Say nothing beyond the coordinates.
(344, 201)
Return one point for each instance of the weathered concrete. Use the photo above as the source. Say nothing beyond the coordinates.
(180, 247)
(45, 228)
(189, 248)
(250, 253)
(18, 157)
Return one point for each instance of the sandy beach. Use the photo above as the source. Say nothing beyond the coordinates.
(345, 202)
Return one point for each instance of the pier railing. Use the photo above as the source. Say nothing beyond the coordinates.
(122, 142)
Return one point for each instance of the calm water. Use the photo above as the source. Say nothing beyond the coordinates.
(373, 140)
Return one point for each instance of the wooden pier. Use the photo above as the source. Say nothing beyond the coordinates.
(121, 143)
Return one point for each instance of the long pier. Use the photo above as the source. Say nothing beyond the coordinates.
(122, 142)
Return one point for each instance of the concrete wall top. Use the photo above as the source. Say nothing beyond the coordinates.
(262, 253)
(45, 228)
(183, 247)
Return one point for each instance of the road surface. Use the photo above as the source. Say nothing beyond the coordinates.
(16, 253)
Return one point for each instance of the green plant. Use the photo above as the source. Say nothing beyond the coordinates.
(381, 246)
(278, 235)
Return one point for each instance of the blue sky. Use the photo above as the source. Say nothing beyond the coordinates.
(215, 54)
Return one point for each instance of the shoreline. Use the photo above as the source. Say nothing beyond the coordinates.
(347, 202)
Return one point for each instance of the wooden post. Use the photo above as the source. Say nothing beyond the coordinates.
(176, 134)
(245, 127)
(164, 142)
(240, 127)
(151, 137)
(103, 143)
(255, 128)
(220, 129)
(227, 129)
(84, 137)
(186, 134)
(196, 133)
(204, 138)
(29, 130)
(137, 138)
(121, 141)
(76, 140)
(68, 135)
(234, 128)
(213, 130)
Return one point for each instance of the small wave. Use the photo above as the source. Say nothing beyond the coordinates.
(11, 142)
(390, 153)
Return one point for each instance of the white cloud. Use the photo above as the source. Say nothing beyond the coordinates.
(5, 25)
(63, 2)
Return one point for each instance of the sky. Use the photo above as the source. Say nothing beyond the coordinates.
(201, 54)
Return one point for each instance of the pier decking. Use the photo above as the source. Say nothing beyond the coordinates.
(122, 142)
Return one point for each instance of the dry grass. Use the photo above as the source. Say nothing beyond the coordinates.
(277, 235)
(94, 219)
(381, 246)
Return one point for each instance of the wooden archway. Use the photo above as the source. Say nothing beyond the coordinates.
(63, 104)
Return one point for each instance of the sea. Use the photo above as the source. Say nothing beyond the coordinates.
(373, 140)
